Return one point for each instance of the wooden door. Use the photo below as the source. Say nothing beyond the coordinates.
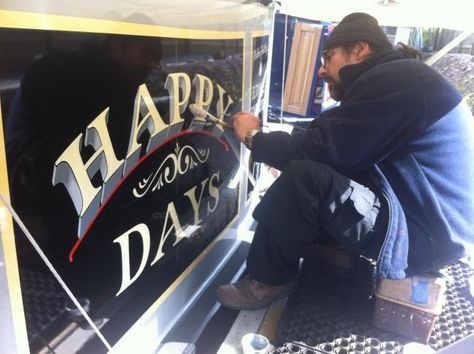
(301, 68)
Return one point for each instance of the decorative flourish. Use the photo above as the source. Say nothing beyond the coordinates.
(181, 161)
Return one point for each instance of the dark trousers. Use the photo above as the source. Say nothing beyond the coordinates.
(307, 203)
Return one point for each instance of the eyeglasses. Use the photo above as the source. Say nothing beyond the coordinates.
(326, 57)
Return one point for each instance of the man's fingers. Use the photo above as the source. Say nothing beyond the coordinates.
(240, 114)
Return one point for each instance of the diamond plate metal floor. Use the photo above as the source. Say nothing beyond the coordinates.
(44, 305)
(332, 314)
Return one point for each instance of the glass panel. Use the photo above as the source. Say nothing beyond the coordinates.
(118, 182)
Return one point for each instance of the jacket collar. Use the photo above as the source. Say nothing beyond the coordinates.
(351, 73)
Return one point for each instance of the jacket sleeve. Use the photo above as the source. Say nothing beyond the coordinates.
(375, 119)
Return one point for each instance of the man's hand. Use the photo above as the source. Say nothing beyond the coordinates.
(243, 123)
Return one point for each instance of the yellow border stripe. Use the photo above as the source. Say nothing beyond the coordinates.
(260, 33)
(9, 250)
(28, 20)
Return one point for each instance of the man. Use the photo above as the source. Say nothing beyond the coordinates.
(388, 174)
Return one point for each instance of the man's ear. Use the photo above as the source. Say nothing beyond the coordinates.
(361, 51)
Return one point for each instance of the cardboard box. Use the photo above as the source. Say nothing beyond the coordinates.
(409, 306)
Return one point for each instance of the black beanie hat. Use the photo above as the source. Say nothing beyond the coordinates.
(357, 27)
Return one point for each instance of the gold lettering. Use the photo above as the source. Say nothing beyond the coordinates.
(191, 194)
(123, 241)
(151, 121)
(177, 83)
(204, 91)
(213, 192)
(76, 175)
(220, 103)
(175, 225)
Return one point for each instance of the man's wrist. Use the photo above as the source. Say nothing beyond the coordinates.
(248, 140)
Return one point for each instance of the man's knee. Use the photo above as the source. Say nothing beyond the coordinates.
(298, 189)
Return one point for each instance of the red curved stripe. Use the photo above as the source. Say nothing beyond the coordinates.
(119, 184)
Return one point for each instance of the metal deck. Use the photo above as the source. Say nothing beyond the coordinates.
(332, 314)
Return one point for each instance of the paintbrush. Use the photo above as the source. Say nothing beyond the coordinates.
(202, 113)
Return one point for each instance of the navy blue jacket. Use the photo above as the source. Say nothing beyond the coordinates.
(401, 125)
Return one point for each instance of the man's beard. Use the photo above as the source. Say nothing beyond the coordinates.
(336, 91)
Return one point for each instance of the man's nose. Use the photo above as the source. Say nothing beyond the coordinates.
(322, 72)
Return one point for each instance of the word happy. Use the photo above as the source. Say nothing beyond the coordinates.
(76, 174)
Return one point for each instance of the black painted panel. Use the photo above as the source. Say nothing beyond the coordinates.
(129, 246)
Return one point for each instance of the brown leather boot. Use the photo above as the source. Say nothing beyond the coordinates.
(250, 294)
